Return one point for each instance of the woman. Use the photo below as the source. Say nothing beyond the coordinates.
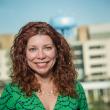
(43, 76)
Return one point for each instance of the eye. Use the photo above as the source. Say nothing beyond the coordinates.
(48, 48)
(32, 49)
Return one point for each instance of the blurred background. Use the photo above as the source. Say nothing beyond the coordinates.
(86, 26)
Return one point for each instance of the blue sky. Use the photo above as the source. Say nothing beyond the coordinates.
(16, 13)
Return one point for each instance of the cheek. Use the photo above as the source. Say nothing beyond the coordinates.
(53, 55)
(29, 56)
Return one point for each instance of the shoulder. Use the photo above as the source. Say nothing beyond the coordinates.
(9, 96)
(12, 86)
(80, 92)
(12, 89)
(79, 87)
(81, 96)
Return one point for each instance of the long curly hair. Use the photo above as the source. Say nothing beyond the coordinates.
(64, 73)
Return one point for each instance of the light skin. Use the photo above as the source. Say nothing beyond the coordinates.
(41, 57)
(41, 54)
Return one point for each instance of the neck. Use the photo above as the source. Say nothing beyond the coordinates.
(46, 85)
(44, 80)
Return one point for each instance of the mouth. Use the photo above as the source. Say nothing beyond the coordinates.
(41, 64)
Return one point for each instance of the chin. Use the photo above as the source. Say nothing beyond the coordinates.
(43, 72)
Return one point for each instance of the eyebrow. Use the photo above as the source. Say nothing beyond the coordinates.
(49, 44)
(43, 45)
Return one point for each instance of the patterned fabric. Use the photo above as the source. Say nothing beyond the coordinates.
(13, 98)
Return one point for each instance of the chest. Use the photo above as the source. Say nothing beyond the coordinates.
(48, 101)
(52, 103)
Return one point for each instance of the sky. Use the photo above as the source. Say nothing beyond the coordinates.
(16, 13)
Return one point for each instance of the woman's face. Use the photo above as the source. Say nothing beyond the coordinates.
(41, 54)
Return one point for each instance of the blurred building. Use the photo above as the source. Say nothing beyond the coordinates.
(5, 63)
(91, 49)
(99, 31)
(92, 59)
(77, 50)
(6, 41)
(83, 33)
(96, 59)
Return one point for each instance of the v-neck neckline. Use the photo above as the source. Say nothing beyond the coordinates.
(43, 104)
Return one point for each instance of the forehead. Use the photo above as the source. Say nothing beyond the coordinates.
(40, 39)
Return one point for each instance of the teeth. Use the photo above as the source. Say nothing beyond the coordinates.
(41, 62)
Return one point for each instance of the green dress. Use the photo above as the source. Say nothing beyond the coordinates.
(13, 98)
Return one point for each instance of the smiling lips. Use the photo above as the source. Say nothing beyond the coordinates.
(42, 64)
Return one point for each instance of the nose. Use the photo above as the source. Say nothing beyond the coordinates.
(41, 54)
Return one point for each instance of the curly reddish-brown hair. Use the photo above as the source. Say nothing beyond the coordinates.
(64, 74)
